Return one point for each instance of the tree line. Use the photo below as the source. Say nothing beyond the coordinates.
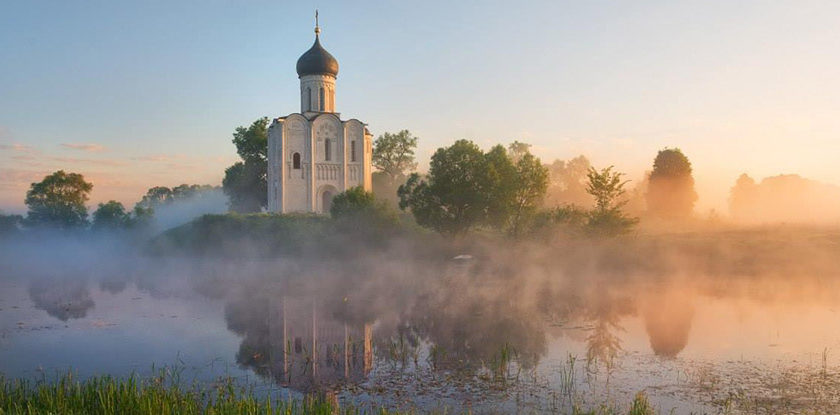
(59, 202)
(506, 189)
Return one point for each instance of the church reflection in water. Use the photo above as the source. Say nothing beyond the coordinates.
(316, 351)
(300, 345)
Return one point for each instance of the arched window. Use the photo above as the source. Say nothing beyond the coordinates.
(322, 101)
(308, 99)
(296, 161)
(327, 148)
(353, 150)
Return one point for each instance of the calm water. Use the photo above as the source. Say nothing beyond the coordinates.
(458, 339)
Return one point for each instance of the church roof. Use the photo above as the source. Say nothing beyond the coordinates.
(317, 61)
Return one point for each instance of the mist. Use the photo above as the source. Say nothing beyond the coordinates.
(470, 297)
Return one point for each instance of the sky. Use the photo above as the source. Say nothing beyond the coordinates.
(148, 93)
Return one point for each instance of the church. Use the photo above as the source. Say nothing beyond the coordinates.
(314, 155)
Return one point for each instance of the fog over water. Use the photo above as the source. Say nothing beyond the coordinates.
(657, 312)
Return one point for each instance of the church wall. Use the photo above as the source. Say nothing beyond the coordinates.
(329, 153)
(354, 141)
(368, 161)
(310, 93)
(275, 154)
(297, 140)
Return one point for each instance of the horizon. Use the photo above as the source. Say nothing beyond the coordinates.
(142, 95)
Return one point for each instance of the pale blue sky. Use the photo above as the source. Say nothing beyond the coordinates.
(136, 94)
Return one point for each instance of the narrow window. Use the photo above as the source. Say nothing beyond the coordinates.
(309, 99)
(296, 161)
(298, 345)
(327, 148)
(321, 101)
(353, 150)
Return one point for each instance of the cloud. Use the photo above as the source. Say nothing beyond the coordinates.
(99, 162)
(19, 178)
(88, 147)
(163, 158)
(21, 148)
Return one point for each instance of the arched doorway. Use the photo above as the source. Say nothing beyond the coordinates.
(326, 194)
(326, 201)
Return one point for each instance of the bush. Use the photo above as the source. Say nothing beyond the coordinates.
(357, 210)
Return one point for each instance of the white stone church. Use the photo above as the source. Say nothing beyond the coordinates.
(313, 155)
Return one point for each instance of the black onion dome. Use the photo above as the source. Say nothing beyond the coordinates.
(317, 61)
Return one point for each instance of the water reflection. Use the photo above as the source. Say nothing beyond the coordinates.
(63, 298)
(668, 314)
(297, 342)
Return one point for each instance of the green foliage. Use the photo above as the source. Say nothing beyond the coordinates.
(111, 215)
(235, 235)
(252, 142)
(156, 196)
(607, 218)
(567, 220)
(640, 405)
(59, 200)
(466, 188)
(671, 191)
(164, 394)
(456, 195)
(357, 210)
(155, 395)
(245, 182)
(531, 183)
(161, 195)
(393, 154)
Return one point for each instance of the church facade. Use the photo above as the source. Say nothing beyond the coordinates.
(314, 154)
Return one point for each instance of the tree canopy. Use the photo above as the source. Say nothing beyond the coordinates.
(393, 154)
(59, 200)
(111, 215)
(607, 218)
(670, 192)
(467, 187)
(162, 195)
(357, 209)
(245, 182)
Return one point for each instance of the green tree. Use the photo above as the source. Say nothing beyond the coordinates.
(671, 191)
(111, 215)
(189, 191)
(531, 182)
(607, 218)
(454, 196)
(59, 200)
(359, 209)
(155, 196)
(466, 187)
(500, 184)
(393, 154)
(245, 182)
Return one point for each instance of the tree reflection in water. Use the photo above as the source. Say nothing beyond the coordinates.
(64, 298)
(668, 314)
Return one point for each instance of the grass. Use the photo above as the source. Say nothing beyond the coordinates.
(132, 395)
(162, 396)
